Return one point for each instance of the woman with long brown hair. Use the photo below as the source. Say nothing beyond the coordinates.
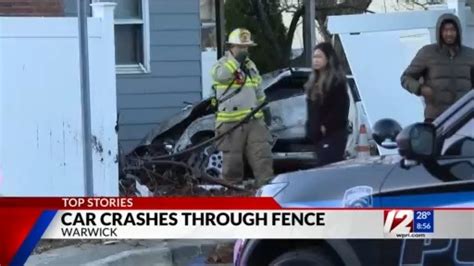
(328, 105)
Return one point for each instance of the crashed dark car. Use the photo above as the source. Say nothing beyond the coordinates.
(287, 108)
(435, 170)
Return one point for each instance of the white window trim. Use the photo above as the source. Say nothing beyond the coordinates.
(145, 21)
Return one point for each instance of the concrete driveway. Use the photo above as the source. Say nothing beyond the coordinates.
(131, 252)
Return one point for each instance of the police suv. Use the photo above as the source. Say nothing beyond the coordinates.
(435, 169)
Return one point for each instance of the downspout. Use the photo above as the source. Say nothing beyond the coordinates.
(220, 27)
(82, 7)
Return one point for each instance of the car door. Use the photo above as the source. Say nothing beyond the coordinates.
(446, 182)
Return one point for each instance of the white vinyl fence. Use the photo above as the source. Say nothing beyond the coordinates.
(40, 105)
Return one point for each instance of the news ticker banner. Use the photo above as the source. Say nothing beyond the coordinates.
(24, 221)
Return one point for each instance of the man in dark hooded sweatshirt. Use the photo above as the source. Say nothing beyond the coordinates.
(443, 72)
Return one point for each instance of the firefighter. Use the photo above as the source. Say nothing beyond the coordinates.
(236, 83)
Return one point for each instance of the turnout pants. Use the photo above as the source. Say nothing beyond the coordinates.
(252, 140)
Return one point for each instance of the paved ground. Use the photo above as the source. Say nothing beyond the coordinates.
(131, 252)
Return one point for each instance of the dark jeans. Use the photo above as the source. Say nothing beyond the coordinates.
(331, 148)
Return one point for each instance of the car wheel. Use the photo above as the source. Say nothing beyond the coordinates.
(209, 159)
(214, 162)
(302, 257)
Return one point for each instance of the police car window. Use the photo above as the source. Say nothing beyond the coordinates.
(461, 143)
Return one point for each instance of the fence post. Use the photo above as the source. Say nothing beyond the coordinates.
(104, 102)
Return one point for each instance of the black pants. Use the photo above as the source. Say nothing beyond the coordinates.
(331, 148)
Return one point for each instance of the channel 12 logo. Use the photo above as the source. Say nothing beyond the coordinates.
(403, 223)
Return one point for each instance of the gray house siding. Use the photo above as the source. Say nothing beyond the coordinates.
(144, 100)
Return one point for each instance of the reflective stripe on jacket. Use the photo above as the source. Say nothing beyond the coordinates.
(227, 72)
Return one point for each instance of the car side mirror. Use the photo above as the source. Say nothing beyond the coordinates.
(417, 142)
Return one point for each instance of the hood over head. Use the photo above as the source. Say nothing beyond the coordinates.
(448, 17)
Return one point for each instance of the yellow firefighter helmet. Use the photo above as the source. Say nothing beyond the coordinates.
(240, 36)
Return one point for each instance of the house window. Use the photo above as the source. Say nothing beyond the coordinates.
(208, 23)
(132, 36)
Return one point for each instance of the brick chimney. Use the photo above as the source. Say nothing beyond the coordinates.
(36, 8)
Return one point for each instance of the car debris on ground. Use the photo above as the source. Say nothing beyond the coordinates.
(165, 174)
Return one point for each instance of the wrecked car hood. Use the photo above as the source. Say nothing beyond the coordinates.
(165, 126)
(267, 80)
